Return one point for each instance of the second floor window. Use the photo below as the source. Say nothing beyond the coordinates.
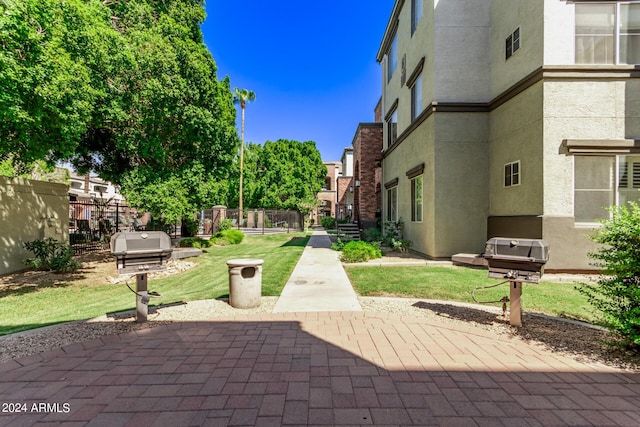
(416, 98)
(392, 128)
(416, 14)
(392, 57)
(607, 33)
(512, 43)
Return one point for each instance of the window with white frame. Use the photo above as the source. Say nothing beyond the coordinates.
(416, 14)
(392, 204)
(604, 181)
(512, 174)
(416, 98)
(607, 33)
(512, 44)
(392, 58)
(392, 128)
(416, 199)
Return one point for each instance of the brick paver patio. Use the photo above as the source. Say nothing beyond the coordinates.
(330, 368)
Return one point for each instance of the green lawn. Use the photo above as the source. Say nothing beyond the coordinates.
(458, 283)
(75, 300)
(30, 308)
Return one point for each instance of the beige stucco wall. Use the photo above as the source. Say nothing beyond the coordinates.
(453, 148)
(579, 109)
(506, 16)
(461, 67)
(604, 109)
(416, 149)
(29, 210)
(559, 31)
(461, 198)
(516, 135)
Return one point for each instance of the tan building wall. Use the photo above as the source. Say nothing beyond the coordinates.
(29, 210)
(483, 110)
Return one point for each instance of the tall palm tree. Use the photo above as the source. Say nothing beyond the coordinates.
(242, 96)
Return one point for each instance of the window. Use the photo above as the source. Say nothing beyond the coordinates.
(512, 43)
(392, 58)
(416, 98)
(416, 14)
(416, 199)
(392, 204)
(392, 128)
(512, 174)
(597, 186)
(607, 33)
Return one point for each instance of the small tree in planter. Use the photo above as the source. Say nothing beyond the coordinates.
(617, 294)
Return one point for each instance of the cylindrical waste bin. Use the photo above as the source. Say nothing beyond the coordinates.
(245, 282)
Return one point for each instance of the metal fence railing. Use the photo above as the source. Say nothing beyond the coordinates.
(93, 222)
(266, 220)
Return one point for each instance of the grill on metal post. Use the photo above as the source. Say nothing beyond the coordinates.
(140, 253)
(516, 260)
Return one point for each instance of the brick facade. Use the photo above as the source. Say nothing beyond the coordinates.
(367, 158)
(328, 195)
(345, 197)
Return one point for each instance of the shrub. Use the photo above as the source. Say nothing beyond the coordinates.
(194, 242)
(359, 251)
(337, 245)
(227, 237)
(51, 254)
(328, 222)
(226, 224)
(190, 227)
(392, 231)
(373, 235)
(617, 294)
(400, 245)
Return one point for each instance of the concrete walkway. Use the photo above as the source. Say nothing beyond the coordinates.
(318, 283)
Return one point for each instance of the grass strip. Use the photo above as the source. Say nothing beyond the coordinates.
(458, 283)
(81, 299)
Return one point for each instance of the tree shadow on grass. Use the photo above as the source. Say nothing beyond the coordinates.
(28, 281)
(299, 241)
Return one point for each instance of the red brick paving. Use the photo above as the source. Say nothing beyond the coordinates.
(315, 369)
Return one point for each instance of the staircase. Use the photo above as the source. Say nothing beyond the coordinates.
(349, 231)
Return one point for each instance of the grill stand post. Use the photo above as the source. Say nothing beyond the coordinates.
(142, 298)
(515, 303)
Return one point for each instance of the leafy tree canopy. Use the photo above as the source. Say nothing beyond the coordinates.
(124, 88)
(47, 83)
(284, 174)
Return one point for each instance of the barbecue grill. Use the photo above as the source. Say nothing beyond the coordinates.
(516, 260)
(140, 253)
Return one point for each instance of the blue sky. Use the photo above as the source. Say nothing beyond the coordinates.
(311, 64)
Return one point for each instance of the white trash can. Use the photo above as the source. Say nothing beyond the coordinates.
(245, 282)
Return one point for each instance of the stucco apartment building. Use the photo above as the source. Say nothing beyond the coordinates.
(515, 118)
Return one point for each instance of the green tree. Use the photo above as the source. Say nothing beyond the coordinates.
(287, 175)
(617, 294)
(125, 89)
(242, 96)
(55, 60)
